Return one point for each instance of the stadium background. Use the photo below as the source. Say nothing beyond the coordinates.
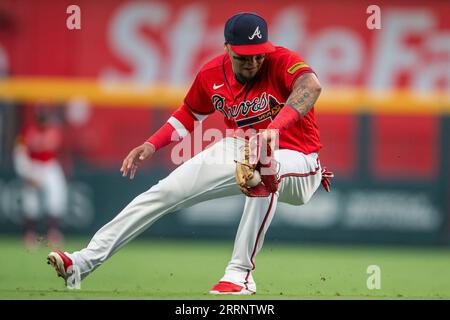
(383, 114)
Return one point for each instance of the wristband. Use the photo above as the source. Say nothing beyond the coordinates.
(287, 117)
(163, 136)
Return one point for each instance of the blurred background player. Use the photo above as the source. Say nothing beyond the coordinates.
(36, 163)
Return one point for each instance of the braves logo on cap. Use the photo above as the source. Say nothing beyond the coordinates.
(257, 33)
(247, 34)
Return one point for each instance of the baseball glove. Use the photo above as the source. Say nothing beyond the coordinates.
(257, 157)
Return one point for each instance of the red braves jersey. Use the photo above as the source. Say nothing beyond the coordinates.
(255, 105)
(42, 142)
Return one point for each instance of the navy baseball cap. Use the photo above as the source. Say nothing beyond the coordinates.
(247, 34)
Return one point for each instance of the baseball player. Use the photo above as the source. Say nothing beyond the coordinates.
(35, 161)
(259, 88)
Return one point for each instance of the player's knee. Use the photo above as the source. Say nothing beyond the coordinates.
(295, 192)
(299, 199)
(305, 198)
(296, 200)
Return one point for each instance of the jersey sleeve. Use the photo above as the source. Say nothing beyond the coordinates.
(291, 67)
(197, 99)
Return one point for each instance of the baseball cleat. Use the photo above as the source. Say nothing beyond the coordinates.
(225, 287)
(65, 268)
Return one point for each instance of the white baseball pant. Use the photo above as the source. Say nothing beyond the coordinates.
(208, 175)
(50, 192)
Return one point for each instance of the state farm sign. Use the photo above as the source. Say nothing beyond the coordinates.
(167, 41)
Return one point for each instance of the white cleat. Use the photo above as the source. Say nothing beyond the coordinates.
(65, 269)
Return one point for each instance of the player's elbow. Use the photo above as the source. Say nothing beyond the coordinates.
(316, 88)
(314, 85)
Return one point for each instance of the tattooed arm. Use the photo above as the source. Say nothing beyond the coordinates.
(305, 91)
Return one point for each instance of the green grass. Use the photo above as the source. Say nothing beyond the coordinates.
(150, 269)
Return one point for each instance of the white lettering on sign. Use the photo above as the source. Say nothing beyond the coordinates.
(183, 40)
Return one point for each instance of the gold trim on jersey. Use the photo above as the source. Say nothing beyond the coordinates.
(293, 69)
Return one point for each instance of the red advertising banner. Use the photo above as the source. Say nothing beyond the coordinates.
(167, 41)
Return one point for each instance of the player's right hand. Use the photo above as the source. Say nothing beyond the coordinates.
(135, 157)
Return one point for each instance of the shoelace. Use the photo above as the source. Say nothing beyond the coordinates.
(326, 176)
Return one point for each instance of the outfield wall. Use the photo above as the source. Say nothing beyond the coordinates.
(391, 185)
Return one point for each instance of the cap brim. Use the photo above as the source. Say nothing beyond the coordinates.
(253, 49)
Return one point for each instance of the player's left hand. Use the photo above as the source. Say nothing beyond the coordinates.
(132, 161)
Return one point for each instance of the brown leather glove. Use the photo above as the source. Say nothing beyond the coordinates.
(251, 161)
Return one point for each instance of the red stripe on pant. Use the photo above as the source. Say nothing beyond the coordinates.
(302, 175)
(257, 239)
(267, 215)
